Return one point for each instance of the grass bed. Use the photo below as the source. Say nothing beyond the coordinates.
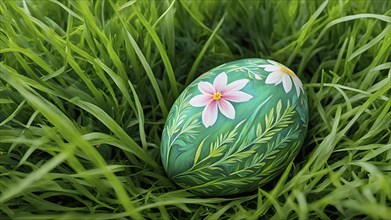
(85, 88)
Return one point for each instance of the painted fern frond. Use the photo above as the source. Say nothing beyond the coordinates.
(273, 124)
(216, 150)
(258, 161)
(178, 126)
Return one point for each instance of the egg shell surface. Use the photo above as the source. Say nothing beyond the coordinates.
(235, 128)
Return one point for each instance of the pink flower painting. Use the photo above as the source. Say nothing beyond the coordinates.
(218, 97)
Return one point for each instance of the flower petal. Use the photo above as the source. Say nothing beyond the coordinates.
(206, 87)
(274, 78)
(236, 85)
(287, 83)
(237, 96)
(298, 85)
(220, 82)
(201, 100)
(271, 68)
(209, 115)
(226, 108)
(263, 65)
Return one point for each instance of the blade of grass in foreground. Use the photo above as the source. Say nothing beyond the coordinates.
(70, 132)
(190, 76)
(162, 51)
(146, 66)
(102, 116)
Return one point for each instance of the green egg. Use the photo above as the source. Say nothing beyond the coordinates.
(235, 128)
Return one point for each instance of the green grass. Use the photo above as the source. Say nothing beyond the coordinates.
(85, 88)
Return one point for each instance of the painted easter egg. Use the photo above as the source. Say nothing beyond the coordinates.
(235, 128)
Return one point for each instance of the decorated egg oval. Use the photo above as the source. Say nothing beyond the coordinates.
(235, 128)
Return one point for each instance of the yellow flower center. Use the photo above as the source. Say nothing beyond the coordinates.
(217, 96)
(287, 71)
